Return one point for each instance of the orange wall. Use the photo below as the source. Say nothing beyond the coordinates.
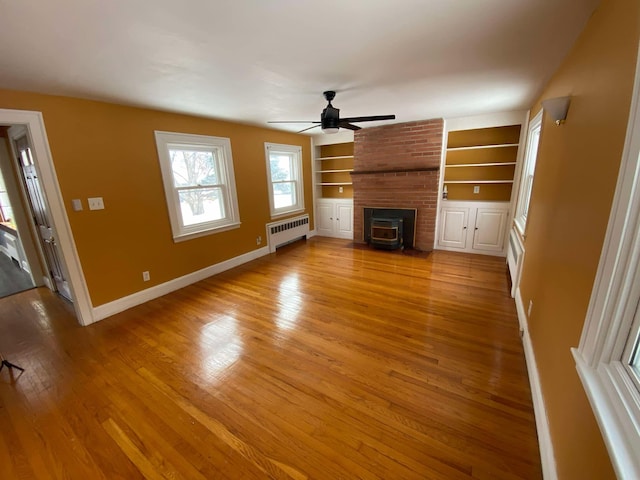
(573, 189)
(108, 150)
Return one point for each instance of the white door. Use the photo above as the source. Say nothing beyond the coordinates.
(325, 218)
(39, 210)
(453, 227)
(490, 229)
(344, 220)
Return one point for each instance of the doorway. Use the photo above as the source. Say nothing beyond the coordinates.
(55, 275)
(54, 233)
(15, 271)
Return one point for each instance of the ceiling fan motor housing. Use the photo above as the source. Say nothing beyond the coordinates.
(330, 117)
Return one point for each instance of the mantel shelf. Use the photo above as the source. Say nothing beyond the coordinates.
(478, 147)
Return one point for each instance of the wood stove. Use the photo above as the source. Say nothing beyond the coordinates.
(386, 233)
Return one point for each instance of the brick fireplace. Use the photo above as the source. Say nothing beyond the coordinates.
(397, 166)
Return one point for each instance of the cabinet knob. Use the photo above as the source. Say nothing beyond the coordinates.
(464, 228)
(476, 228)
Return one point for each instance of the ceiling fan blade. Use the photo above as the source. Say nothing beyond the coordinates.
(309, 128)
(294, 121)
(344, 124)
(372, 118)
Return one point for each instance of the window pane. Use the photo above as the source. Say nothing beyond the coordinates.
(192, 168)
(281, 167)
(284, 194)
(201, 205)
(635, 359)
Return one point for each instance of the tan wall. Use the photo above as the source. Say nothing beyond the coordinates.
(574, 184)
(107, 150)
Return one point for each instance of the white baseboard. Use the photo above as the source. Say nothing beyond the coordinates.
(547, 457)
(106, 310)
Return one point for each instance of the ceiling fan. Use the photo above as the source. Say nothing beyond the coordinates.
(330, 120)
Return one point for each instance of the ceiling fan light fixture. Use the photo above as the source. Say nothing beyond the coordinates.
(330, 130)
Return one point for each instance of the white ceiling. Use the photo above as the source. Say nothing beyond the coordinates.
(257, 60)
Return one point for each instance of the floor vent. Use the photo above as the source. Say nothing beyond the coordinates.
(287, 231)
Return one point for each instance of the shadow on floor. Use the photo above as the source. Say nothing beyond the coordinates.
(12, 278)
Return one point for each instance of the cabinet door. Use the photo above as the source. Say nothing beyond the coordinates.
(344, 220)
(453, 227)
(490, 229)
(326, 218)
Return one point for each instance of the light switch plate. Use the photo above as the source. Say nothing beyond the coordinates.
(476, 189)
(95, 203)
(77, 204)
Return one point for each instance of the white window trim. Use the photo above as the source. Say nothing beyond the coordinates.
(519, 219)
(232, 220)
(299, 206)
(600, 358)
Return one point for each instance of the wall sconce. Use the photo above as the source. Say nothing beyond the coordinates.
(557, 108)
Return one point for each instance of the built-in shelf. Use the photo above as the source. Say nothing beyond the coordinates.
(335, 158)
(477, 181)
(336, 171)
(334, 183)
(479, 147)
(496, 164)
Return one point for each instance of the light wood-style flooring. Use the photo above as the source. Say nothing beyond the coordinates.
(322, 361)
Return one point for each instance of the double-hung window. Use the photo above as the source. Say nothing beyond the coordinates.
(528, 171)
(199, 183)
(284, 175)
(608, 358)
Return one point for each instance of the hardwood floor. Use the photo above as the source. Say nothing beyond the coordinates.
(322, 361)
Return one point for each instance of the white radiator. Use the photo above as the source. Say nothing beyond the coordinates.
(515, 255)
(287, 231)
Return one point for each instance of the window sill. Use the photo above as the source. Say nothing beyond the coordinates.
(210, 231)
(278, 215)
(614, 408)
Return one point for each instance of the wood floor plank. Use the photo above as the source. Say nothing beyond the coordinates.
(325, 360)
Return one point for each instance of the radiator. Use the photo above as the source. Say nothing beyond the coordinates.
(515, 255)
(287, 231)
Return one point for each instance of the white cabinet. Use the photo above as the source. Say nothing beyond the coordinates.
(453, 227)
(334, 218)
(474, 227)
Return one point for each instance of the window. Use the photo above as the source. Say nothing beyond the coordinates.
(608, 358)
(199, 183)
(284, 174)
(528, 171)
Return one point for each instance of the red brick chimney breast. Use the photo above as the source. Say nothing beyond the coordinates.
(398, 166)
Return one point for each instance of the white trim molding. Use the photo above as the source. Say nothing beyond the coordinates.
(547, 458)
(106, 310)
(46, 169)
(601, 361)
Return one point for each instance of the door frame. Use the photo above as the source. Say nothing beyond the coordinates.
(34, 123)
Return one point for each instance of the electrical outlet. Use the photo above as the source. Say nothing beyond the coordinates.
(96, 203)
(530, 307)
(258, 240)
(340, 189)
(476, 189)
(145, 276)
